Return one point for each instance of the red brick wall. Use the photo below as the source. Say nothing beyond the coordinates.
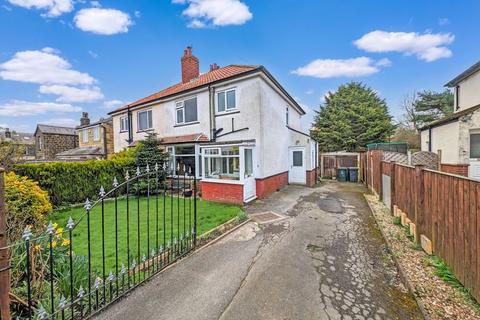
(311, 177)
(222, 192)
(460, 169)
(269, 185)
(190, 66)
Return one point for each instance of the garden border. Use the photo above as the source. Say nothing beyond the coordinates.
(400, 269)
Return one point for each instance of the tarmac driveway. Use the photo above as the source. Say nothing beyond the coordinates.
(325, 259)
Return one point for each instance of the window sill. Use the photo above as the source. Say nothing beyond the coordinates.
(186, 124)
(146, 130)
(123, 131)
(226, 113)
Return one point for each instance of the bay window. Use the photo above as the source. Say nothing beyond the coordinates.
(144, 120)
(186, 111)
(226, 101)
(222, 163)
(182, 160)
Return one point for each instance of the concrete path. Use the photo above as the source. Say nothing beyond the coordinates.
(325, 260)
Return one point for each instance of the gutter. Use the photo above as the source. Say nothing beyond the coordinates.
(130, 128)
(211, 110)
(430, 139)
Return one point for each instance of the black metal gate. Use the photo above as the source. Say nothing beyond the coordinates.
(122, 238)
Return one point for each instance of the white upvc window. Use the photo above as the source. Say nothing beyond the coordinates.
(124, 124)
(186, 111)
(96, 133)
(144, 120)
(222, 163)
(85, 135)
(226, 101)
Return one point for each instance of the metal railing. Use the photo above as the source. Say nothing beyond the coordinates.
(133, 231)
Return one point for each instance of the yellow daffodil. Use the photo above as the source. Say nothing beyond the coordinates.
(54, 244)
(65, 242)
(38, 247)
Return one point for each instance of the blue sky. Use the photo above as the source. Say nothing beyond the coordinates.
(61, 57)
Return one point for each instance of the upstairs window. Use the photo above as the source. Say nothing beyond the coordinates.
(144, 120)
(226, 101)
(186, 111)
(85, 135)
(124, 124)
(96, 134)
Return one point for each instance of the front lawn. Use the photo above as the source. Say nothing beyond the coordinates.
(209, 215)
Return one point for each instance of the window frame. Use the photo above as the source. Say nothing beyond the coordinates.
(180, 105)
(206, 155)
(225, 91)
(96, 133)
(124, 121)
(149, 120)
(85, 137)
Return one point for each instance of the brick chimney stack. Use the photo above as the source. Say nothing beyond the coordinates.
(214, 66)
(84, 120)
(190, 65)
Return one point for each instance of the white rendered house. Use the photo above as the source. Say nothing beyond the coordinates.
(458, 135)
(236, 128)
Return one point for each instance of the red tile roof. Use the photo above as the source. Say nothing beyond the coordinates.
(203, 79)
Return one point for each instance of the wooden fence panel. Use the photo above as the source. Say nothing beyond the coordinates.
(451, 213)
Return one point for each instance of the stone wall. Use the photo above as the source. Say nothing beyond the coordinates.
(53, 144)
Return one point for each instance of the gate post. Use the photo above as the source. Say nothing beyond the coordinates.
(392, 186)
(4, 254)
(195, 211)
(419, 200)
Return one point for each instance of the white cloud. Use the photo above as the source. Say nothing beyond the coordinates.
(44, 67)
(19, 108)
(443, 21)
(95, 4)
(310, 91)
(72, 94)
(215, 12)
(102, 21)
(427, 46)
(112, 104)
(64, 122)
(137, 14)
(93, 54)
(54, 8)
(3, 126)
(385, 62)
(330, 68)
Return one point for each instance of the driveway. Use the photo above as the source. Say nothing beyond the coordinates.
(325, 259)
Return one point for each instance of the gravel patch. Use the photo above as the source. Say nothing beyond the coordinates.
(439, 299)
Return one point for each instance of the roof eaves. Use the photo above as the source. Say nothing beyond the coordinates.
(465, 74)
(451, 118)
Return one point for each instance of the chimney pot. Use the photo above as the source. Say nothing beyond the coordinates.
(214, 66)
(84, 120)
(190, 65)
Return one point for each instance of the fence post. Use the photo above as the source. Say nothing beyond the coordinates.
(420, 197)
(392, 186)
(380, 180)
(4, 255)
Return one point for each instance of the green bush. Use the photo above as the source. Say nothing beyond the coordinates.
(27, 204)
(73, 182)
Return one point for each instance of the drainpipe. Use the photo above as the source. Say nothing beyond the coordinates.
(430, 139)
(130, 130)
(211, 102)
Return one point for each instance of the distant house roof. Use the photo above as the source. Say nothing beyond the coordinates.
(55, 130)
(451, 118)
(101, 121)
(81, 151)
(465, 74)
(21, 137)
(205, 79)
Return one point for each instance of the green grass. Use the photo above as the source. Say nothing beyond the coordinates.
(209, 215)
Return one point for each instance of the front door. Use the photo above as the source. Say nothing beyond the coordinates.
(474, 168)
(297, 172)
(249, 184)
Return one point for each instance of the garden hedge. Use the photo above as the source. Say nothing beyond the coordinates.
(73, 182)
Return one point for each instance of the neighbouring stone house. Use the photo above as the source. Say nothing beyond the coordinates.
(234, 127)
(458, 135)
(23, 139)
(50, 140)
(95, 141)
